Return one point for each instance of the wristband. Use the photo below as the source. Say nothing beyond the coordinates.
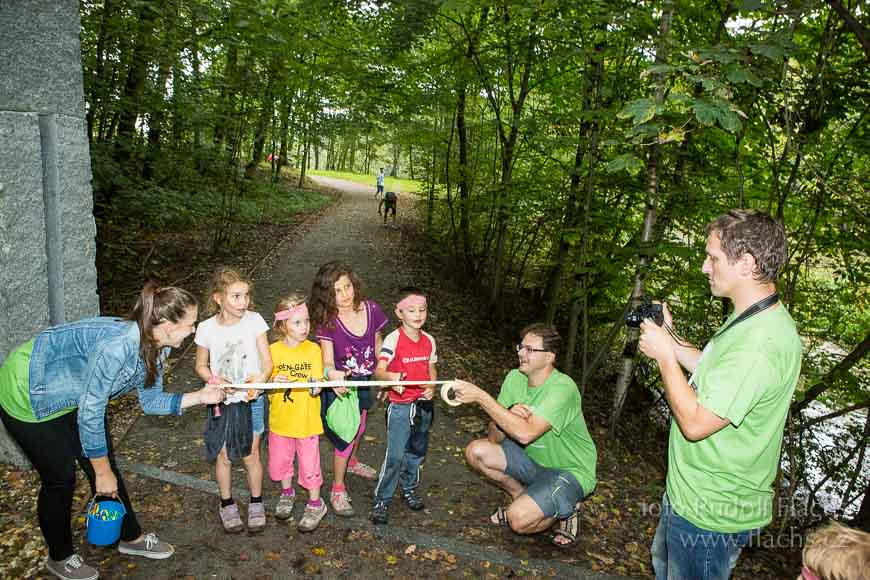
(326, 372)
(213, 380)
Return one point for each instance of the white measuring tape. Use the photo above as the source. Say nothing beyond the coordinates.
(446, 387)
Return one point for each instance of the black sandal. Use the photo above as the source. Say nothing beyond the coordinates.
(567, 531)
(499, 517)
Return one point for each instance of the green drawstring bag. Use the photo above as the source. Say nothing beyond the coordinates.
(342, 416)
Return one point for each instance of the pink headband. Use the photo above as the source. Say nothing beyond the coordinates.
(411, 300)
(285, 314)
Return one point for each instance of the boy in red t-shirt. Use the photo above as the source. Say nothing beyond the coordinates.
(407, 354)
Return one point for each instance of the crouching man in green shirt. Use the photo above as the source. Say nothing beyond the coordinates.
(538, 448)
(728, 417)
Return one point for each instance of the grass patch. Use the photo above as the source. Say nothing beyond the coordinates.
(397, 184)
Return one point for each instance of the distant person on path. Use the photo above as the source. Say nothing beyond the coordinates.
(54, 391)
(294, 415)
(232, 347)
(390, 201)
(407, 354)
(349, 330)
(380, 183)
(538, 448)
(728, 417)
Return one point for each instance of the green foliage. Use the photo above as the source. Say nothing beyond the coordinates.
(180, 198)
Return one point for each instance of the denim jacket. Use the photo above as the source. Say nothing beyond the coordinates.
(87, 363)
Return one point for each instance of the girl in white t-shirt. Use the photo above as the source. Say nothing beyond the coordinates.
(232, 348)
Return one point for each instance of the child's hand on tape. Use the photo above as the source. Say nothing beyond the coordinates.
(252, 393)
(399, 388)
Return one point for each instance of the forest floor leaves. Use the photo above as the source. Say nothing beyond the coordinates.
(451, 537)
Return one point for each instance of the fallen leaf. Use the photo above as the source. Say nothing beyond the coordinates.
(318, 551)
(606, 560)
(410, 549)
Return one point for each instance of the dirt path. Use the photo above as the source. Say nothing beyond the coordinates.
(172, 484)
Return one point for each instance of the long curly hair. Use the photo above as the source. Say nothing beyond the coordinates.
(321, 302)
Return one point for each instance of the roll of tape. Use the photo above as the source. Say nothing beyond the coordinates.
(446, 391)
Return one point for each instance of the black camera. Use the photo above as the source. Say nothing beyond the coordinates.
(646, 309)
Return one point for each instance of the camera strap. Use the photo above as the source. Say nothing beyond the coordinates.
(759, 306)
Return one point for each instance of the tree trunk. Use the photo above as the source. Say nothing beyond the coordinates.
(158, 117)
(464, 176)
(267, 112)
(131, 101)
(411, 160)
(508, 142)
(99, 84)
(394, 171)
(225, 102)
(554, 286)
(626, 373)
(304, 163)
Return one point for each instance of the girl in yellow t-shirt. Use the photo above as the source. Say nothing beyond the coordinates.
(294, 414)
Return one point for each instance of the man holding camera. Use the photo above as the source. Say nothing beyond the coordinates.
(538, 448)
(728, 417)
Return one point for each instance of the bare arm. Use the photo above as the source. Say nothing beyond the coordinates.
(695, 421)
(687, 354)
(201, 365)
(265, 356)
(333, 374)
(522, 430)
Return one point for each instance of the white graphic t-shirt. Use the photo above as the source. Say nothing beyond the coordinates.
(232, 350)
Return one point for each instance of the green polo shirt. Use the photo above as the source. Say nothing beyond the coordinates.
(724, 482)
(567, 444)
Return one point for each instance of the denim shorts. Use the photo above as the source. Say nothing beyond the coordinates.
(258, 415)
(555, 491)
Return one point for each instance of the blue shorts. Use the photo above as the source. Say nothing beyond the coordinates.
(555, 491)
(258, 415)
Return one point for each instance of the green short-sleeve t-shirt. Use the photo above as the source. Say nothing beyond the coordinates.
(15, 386)
(724, 482)
(567, 444)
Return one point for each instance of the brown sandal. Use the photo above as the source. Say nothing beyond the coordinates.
(567, 531)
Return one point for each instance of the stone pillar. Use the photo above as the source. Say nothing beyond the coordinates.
(47, 231)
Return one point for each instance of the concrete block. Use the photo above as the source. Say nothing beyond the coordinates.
(23, 290)
(40, 57)
(78, 229)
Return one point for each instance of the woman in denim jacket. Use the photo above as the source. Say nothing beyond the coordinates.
(54, 390)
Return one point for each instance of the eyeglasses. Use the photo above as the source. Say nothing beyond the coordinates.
(527, 348)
